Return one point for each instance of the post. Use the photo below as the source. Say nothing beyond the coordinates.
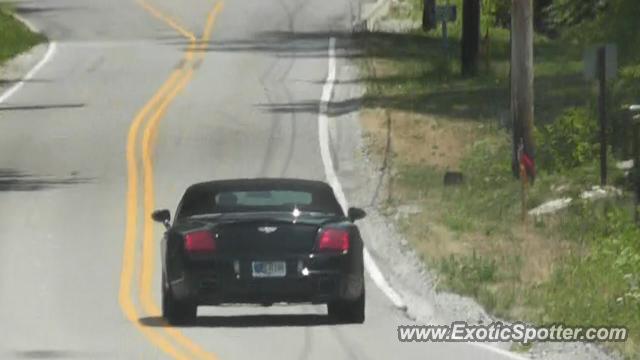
(624, 137)
(525, 184)
(445, 37)
(470, 37)
(602, 112)
(636, 168)
(522, 91)
(429, 15)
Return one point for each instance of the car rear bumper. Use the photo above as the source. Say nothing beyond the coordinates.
(325, 278)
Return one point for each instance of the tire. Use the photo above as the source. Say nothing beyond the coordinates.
(174, 311)
(351, 312)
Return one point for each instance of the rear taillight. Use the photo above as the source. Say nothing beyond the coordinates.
(199, 242)
(333, 240)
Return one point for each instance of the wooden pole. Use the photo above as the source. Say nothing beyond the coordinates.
(522, 91)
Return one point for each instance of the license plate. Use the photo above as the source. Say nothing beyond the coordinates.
(267, 269)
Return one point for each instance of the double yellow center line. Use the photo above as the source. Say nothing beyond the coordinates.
(149, 117)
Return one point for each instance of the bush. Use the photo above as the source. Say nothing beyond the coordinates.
(498, 11)
(568, 142)
(572, 12)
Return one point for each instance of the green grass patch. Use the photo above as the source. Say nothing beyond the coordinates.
(600, 285)
(15, 37)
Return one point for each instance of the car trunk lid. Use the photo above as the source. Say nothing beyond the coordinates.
(267, 234)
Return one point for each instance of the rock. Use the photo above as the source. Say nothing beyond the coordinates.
(551, 207)
(453, 178)
(560, 188)
(598, 192)
(625, 165)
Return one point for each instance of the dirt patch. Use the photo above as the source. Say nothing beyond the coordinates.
(418, 139)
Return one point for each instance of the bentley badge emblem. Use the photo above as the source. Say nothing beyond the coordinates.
(267, 229)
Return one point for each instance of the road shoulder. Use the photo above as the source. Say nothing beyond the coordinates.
(14, 70)
(364, 180)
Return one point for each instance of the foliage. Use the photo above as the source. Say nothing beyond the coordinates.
(15, 37)
(602, 21)
(467, 274)
(499, 11)
(568, 142)
(572, 12)
(606, 273)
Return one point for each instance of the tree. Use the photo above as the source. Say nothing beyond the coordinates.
(470, 37)
(429, 15)
(571, 12)
(539, 14)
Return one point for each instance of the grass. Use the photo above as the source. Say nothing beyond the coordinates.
(15, 37)
(423, 119)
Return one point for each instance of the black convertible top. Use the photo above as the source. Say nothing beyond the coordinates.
(261, 184)
(198, 198)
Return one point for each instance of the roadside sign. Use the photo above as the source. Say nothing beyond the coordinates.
(591, 62)
(446, 13)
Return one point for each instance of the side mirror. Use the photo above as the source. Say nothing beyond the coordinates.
(162, 216)
(356, 214)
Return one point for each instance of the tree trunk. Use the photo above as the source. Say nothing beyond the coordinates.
(470, 37)
(429, 15)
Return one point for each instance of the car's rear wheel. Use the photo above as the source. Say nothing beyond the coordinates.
(174, 311)
(348, 311)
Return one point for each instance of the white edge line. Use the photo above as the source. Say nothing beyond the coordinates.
(26, 22)
(325, 152)
(51, 49)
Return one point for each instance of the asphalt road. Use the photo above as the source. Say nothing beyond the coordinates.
(138, 101)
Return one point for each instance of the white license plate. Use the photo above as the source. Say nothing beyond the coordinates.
(267, 269)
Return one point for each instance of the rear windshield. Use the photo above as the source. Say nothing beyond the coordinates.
(264, 198)
(228, 201)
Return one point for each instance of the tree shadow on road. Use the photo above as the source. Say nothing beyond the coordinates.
(411, 72)
(41, 107)
(14, 180)
(419, 86)
(7, 82)
(315, 44)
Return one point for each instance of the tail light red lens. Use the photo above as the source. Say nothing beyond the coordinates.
(334, 240)
(199, 242)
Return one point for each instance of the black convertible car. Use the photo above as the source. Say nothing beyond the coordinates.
(261, 241)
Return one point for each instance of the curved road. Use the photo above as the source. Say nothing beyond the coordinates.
(137, 101)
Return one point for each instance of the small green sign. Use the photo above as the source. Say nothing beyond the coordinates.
(446, 13)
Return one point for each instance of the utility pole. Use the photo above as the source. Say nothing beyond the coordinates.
(522, 80)
(470, 37)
